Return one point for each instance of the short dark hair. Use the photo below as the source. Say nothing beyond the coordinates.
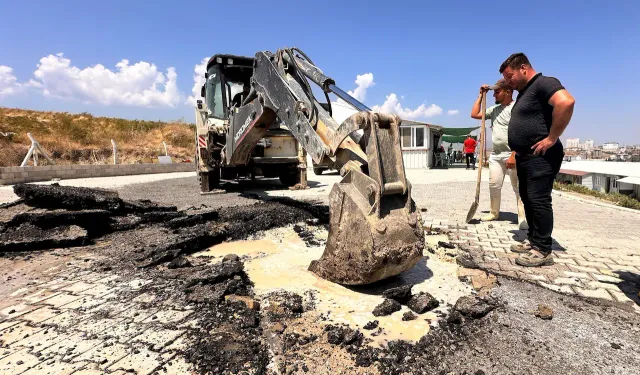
(514, 61)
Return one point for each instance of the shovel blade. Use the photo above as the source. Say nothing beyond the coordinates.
(472, 211)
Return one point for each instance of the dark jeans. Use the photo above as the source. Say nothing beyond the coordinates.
(536, 174)
(471, 158)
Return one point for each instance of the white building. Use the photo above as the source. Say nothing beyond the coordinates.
(610, 146)
(604, 176)
(589, 144)
(573, 142)
(418, 139)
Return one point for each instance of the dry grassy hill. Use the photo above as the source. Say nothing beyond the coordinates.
(84, 138)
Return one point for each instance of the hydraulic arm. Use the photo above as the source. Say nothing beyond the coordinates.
(374, 231)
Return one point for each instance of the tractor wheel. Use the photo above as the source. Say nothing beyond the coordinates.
(290, 177)
(229, 173)
(209, 180)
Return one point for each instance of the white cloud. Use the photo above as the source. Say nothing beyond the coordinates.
(363, 82)
(9, 84)
(198, 81)
(453, 112)
(140, 84)
(392, 105)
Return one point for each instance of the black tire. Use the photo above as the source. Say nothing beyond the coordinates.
(229, 173)
(209, 180)
(317, 171)
(290, 177)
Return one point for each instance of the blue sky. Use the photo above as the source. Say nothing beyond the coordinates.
(431, 53)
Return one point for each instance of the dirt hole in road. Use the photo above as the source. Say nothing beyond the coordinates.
(277, 260)
(186, 256)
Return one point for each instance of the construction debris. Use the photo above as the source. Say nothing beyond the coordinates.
(544, 312)
(50, 216)
(471, 307)
(371, 325)
(343, 335)
(422, 302)
(387, 307)
(28, 236)
(408, 316)
(446, 245)
(401, 294)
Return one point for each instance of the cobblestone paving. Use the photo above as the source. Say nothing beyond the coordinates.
(596, 248)
(73, 321)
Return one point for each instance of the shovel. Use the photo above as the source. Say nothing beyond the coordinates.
(474, 205)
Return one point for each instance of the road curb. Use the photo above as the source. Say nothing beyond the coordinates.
(593, 202)
(15, 175)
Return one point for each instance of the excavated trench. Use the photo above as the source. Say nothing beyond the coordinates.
(242, 270)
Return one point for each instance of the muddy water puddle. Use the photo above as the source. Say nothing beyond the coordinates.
(279, 260)
(251, 248)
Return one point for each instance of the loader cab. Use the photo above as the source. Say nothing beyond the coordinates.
(225, 77)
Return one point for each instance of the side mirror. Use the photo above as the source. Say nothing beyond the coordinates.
(203, 92)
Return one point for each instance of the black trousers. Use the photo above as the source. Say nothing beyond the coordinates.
(536, 174)
(471, 158)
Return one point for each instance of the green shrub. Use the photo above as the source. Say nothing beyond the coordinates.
(617, 198)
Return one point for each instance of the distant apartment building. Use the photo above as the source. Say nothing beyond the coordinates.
(607, 177)
(589, 144)
(595, 153)
(573, 142)
(610, 146)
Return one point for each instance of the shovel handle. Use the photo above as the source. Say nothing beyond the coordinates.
(482, 144)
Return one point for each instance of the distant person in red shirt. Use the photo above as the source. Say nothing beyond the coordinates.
(470, 149)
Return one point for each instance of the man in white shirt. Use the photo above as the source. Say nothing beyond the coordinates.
(502, 160)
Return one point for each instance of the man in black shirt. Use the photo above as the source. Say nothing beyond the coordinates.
(540, 114)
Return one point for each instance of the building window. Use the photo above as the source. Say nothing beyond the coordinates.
(419, 138)
(412, 137)
(598, 180)
(406, 137)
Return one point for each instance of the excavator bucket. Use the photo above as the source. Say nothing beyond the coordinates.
(374, 229)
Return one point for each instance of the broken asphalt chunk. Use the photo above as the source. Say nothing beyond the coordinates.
(422, 302)
(471, 307)
(387, 307)
(30, 237)
(401, 294)
(408, 316)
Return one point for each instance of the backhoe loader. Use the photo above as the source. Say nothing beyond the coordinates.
(375, 231)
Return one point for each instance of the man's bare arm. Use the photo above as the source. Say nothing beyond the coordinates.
(562, 103)
(476, 111)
